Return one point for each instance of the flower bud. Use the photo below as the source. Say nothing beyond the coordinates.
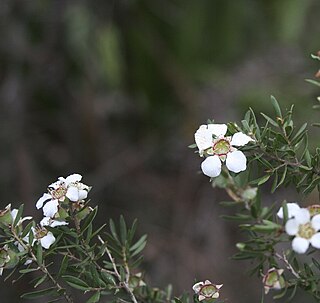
(5, 216)
(136, 281)
(250, 193)
(8, 258)
(273, 280)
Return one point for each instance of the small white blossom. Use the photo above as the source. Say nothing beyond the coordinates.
(206, 290)
(292, 208)
(69, 187)
(212, 142)
(273, 279)
(305, 229)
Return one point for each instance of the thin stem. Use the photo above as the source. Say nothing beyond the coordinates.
(283, 258)
(124, 284)
(42, 267)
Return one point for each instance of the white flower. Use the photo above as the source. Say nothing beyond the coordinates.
(42, 235)
(47, 221)
(69, 187)
(292, 208)
(212, 143)
(206, 290)
(305, 229)
(273, 279)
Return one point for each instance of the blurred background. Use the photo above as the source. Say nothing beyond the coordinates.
(115, 89)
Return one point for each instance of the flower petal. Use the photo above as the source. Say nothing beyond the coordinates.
(302, 216)
(292, 227)
(315, 240)
(43, 199)
(292, 209)
(211, 166)
(203, 138)
(300, 245)
(51, 208)
(236, 161)
(218, 129)
(201, 297)
(240, 139)
(315, 222)
(47, 221)
(83, 194)
(14, 213)
(47, 240)
(196, 287)
(73, 178)
(73, 194)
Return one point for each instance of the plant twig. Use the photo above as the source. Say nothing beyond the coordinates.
(124, 284)
(283, 258)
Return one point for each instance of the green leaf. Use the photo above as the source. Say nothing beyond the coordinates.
(89, 219)
(95, 298)
(139, 249)
(138, 243)
(312, 185)
(261, 180)
(76, 282)
(192, 145)
(281, 294)
(98, 230)
(63, 266)
(276, 106)
(275, 182)
(313, 82)
(39, 254)
(19, 215)
(114, 231)
(283, 176)
(40, 281)
(39, 293)
(271, 121)
(108, 278)
(123, 230)
(316, 263)
(27, 229)
(300, 132)
(132, 231)
(27, 270)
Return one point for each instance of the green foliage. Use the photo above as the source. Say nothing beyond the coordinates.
(104, 264)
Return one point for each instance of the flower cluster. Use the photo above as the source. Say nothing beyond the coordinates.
(304, 225)
(217, 148)
(63, 190)
(55, 205)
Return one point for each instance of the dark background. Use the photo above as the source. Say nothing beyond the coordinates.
(115, 90)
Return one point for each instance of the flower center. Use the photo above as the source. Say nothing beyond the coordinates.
(272, 278)
(40, 232)
(208, 290)
(58, 193)
(306, 231)
(221, 147)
